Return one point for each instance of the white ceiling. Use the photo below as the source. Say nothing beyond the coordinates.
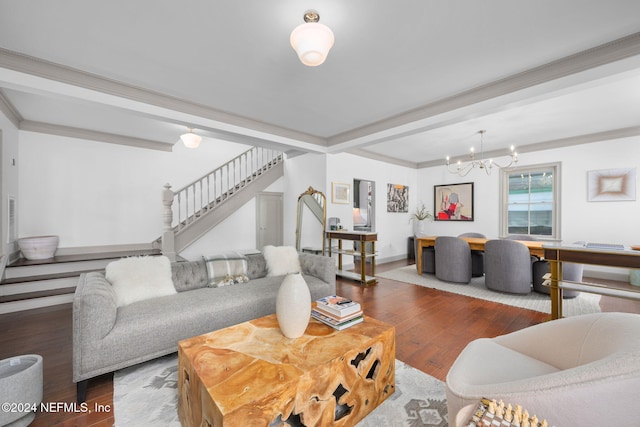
(407, 81)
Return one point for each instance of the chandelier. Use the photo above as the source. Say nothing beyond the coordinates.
(312, 40)
(463, 169)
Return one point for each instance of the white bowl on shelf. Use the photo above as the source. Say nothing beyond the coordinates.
(38, 247)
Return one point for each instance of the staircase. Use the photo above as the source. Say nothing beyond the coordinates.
(193, 210)
(189, 213)
(42, 283)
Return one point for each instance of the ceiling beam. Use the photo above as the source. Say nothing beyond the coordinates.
(546, 79)
(93, 135)
(70, 81)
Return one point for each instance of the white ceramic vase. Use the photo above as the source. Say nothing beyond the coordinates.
(419, 227)
(293, 306)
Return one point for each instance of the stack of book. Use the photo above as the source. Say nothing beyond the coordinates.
(337, 312)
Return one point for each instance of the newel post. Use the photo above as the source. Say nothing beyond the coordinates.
(168, 237)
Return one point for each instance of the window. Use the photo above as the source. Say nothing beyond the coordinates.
(530, 200)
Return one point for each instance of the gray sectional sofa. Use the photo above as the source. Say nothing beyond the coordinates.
(107, 338)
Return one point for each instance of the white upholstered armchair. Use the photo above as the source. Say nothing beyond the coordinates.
(576, 371)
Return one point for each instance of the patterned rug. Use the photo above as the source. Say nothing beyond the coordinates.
(584, 303)
(146, 395)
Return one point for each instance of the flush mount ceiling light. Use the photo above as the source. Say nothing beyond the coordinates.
(190, 139)
(312, 40)
(463, 169)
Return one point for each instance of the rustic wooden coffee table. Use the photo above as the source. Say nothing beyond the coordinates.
(251, 375)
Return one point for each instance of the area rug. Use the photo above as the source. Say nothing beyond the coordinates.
(583, 304)
(146, 395)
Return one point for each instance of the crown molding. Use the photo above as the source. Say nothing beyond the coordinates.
(582, 139)
(547, 145)
(9, 110)
(93, 135)
(607, 53)
(362, 152)
(34, 66)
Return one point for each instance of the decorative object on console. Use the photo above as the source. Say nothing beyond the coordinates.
(609, 185)
(38, 247)
(293, 306)
(281, 260)
(139, 278)
(226, 269)
(397, 198)
(487, 165)
(312, 40)
(453, 202)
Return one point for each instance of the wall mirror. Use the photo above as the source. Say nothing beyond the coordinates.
(364, 214)
(311, 221)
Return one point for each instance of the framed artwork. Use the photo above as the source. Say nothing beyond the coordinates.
(609, 185)
(340, 193)
(453, 202)
(397, 198)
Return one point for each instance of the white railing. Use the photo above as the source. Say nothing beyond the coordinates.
(186, 205)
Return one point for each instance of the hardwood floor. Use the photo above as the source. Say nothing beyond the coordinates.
(432, 327)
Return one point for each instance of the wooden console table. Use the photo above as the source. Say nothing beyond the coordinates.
(556, 255)
(363, 238)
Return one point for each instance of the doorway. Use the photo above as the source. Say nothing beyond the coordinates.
(364, 212)
(269, 220)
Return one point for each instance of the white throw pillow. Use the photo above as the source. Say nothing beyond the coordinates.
(139, 278)
(281, 260)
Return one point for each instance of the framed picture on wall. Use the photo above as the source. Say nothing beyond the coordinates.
(609, 185)
(340, 193)
(453, 202)
(397, 198)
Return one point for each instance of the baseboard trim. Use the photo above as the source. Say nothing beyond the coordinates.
(77, 250)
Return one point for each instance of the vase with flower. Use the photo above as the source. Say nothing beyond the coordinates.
(419, 217)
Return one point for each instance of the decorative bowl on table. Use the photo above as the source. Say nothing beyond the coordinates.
(38, 247)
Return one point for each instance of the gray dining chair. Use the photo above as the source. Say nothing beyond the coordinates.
(453, 259)
(539, 267)
(507, 266)
(477, 257)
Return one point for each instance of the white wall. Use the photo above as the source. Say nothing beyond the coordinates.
(91, 193)
(10, 182)
(393, 228)
(94, 193)
(609, 222)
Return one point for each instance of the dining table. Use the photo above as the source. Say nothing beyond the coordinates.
(475, 244)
